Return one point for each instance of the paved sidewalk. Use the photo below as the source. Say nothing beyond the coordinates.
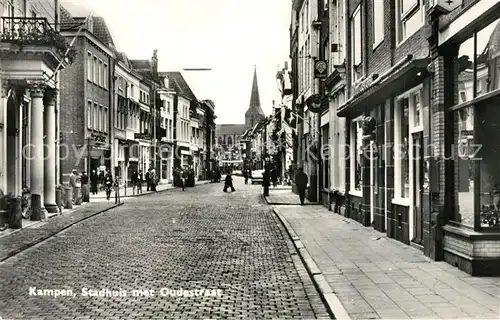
(21, 239)
(284, 195)
(377, 277)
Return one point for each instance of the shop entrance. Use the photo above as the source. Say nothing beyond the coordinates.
(418, 184)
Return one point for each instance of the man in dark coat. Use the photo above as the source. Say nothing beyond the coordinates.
(94, 179)
(133, 180)
(228, 183)
(148, 181)
(266, 181)
(139, 182)
(274, 177)
(184, 177)
(85, 187)
(301, 181)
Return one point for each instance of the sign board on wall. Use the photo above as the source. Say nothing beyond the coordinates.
(444, 6)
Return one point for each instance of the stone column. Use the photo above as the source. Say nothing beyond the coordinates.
(3, 136)
(36, 143)
(49, 178)
(13, 125)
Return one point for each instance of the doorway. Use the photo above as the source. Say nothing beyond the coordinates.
(418, 184)
(373, 190)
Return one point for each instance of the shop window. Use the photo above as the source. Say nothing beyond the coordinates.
(479, 64)
(464, 166)
(356, 154)
(401, 148)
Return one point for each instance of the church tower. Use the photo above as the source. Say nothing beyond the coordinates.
(254, 113)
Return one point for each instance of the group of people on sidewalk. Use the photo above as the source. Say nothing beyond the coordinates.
(137, 180)
(80, 185)
(301, 181)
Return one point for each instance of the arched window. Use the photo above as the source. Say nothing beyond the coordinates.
(229, 141)
(220, 141)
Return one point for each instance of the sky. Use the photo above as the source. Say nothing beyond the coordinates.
(229, 36)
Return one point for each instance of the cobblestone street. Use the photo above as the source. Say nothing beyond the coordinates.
(200, 239)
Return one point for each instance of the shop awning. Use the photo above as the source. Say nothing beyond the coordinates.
(409, 75)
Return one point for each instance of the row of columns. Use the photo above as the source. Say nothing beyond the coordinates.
(40, 149)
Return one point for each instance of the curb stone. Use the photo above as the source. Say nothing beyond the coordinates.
(52, 233)
(333, 304)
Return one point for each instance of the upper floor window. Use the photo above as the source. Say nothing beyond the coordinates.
(409, 18)
(90, 73)
(96, 70)
(100, 79)
(378, 22)
(357, 44)
(105, 76)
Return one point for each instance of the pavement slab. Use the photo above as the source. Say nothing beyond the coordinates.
(173, 243)
(377, 277)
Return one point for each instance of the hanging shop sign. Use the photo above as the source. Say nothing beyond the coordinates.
(320, 69)
(316, 103)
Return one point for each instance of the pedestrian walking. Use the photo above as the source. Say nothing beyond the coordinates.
(134, 181)
(266, 181)
(184, 176)
(274, 177)
(101, 179)
(116, 186)
(72, 183)
(228, 183)
(153, 179)
(139, 182)
(108, 185)
(148, 181)
(245, 175)
(85, 187)
(301, 180)
(94, 179)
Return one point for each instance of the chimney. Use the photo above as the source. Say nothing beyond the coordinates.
(286, 65)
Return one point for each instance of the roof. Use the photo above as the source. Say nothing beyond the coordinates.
(177, 82)
(141, 64)
(230, 129)
(100, 29)
(122, 57)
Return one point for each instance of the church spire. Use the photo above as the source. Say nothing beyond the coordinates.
(255, 97)
(254, 113)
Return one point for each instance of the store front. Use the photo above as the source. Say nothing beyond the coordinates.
(472, 208)
(166, 163)
(384, 137)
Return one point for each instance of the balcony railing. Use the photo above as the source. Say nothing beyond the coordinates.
(20, 29)
(34, 31)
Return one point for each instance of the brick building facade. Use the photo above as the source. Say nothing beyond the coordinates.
(417, 85)
(88, 97)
